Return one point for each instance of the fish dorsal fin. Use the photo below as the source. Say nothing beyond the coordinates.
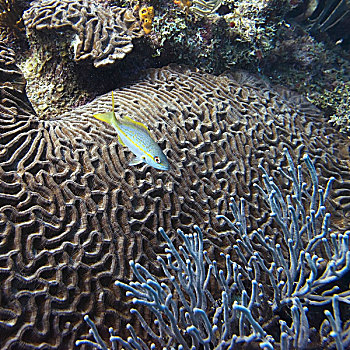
(137, 124)
(112, 102)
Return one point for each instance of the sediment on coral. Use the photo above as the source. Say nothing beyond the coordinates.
(72, 213)
(102, 34)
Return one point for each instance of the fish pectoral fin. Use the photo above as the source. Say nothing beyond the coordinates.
(108, 117)
(137, 160)
(121, 141)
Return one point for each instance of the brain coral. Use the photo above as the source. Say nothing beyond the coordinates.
(103, 34)
(72, 213)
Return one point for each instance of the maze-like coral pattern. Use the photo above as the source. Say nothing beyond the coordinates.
(103, 34)
(73, 213)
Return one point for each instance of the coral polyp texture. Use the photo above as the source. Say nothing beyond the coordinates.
(102, 34)
(73, 213)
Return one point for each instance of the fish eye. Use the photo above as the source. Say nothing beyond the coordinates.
(157, 159)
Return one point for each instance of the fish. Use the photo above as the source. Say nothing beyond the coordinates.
(137, 138)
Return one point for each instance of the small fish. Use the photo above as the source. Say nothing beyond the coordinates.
(137, 138)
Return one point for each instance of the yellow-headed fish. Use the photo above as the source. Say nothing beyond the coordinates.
(137, 138)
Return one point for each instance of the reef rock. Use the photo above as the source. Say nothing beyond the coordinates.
(73, 213)
(103, 34)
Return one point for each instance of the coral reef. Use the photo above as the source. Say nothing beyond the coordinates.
(317, 69)
(72, 213)
(291, 260)
(215, 35)
(102, 34)
(255, 35)
(212, 35)
(312, 69)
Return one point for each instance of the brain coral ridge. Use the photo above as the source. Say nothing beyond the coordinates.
(103, 34)
(72, 213)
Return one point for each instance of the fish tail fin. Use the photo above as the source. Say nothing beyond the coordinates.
(108, 117)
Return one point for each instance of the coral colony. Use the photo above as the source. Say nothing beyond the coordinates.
(73, 214)
(90, 39)
(297, 273)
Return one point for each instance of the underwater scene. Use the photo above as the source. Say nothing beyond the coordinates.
(174, 174)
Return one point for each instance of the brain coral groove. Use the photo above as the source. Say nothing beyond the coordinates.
(72, 213)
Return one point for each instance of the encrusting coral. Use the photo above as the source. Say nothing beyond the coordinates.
(102, 34)
(72, 213)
